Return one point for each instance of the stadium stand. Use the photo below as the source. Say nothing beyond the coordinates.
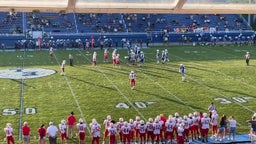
(72, 30)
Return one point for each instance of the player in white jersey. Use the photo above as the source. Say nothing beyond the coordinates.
(158, 56)
(125, 130)
(95, 131)
(51, 52)
(169, 127)
(132, 132)
(119, 125)
(191, 125)
(117, 61)
(205, 127)
(105, 55)
(166, 55)
(114, 56)
(247, 58)
(180, 134)
(214, 123)
(185, 122)
(94, 58)
(8, 130)
(157, 128)
(112, 131)
(63, 67)
(63, 132)
(176, 117)
(196, 121)
(81, 126)
(132, 78)
(150, 129)
(106, 123)
(142, 132)
(137, 123)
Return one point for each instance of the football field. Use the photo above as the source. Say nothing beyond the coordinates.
(213, 74)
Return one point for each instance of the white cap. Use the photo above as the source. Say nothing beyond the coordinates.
(181, 64)
(50, 123)
(132, 71)
(25, 123)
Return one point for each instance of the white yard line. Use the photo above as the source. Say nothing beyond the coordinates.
(169, 92)
(73, 94)
(120, 92)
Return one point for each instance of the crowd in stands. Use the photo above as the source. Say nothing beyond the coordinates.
(10, 23)
(113, 23)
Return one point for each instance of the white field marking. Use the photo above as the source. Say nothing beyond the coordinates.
(122, 94)
(73, 94)
(220, 94)
(229, 77)
(169, 92)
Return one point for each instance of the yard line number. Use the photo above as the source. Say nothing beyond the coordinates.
(14, 111)
(233, 99)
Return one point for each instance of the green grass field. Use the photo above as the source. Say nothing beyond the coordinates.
(213, 74)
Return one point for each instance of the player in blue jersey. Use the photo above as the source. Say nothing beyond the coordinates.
(182, 71)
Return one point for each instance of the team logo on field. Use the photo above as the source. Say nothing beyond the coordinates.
(25, 73)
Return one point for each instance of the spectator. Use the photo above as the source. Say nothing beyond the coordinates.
(52, 132)
(71, 121)
(232, 130)
(42, 134)
(26, 133)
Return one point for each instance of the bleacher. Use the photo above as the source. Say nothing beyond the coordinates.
(135, 27)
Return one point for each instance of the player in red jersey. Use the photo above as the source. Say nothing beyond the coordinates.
(71, 122)
(63, 132)
(81, 126)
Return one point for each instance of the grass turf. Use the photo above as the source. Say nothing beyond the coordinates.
(213, 74)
